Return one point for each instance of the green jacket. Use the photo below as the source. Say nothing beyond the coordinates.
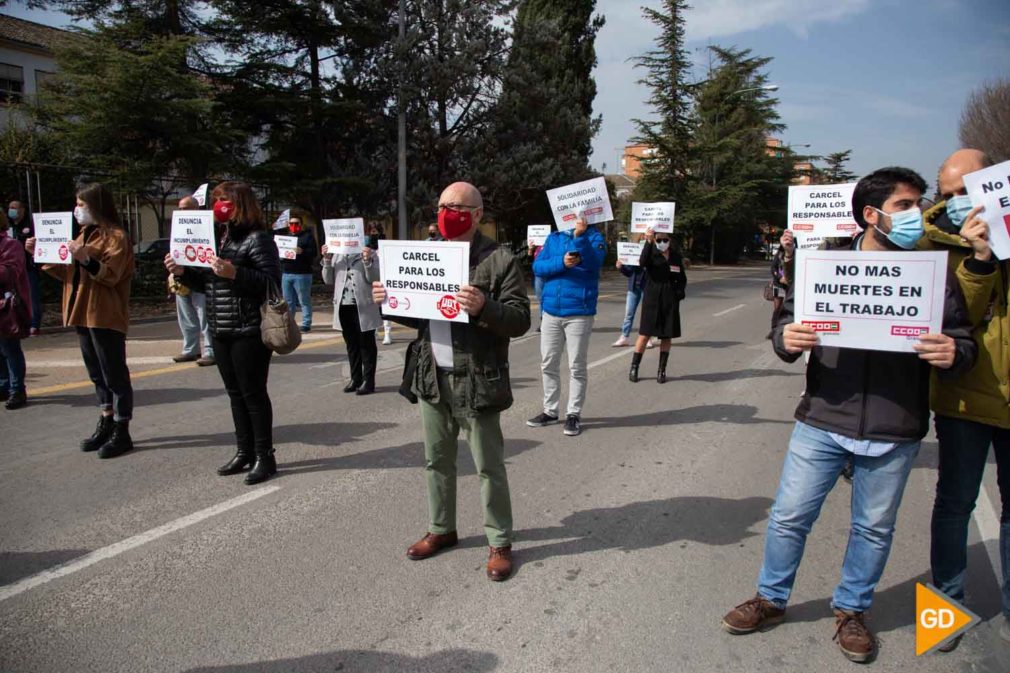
(480, 381)
(983, 393)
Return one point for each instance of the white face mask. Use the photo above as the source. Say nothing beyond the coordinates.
(662, 246)
(83, 215)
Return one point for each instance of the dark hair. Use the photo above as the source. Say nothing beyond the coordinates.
(101, 203)
(878, 186)
(248, 216)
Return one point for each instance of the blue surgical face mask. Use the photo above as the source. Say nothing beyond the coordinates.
(12, 214)
(958, 208)
(906, 227)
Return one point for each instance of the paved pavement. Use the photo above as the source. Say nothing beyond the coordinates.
(634, 539)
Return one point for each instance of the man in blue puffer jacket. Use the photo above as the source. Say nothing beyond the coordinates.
(569, 265)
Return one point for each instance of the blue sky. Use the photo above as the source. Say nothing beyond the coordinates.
(885, 78)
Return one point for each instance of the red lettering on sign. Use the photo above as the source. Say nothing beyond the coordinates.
(824, 325)
(448, 306)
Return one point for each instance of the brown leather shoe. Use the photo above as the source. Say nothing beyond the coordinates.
(757, 614)
(499, 563)
(854, 638)
(431, 544)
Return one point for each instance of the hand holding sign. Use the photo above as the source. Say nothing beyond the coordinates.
(798, 337)
(223, 268)
(975, 232)
(78, 252)
(938, 350)
(990, 188)
(471, 299)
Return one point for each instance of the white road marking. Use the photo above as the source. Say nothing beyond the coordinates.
(988, 528)
(78, 362)
(129, 543)
(729, 310)
(624, 353)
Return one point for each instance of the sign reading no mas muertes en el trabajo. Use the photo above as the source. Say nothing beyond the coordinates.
(824, 210)
(871, 300)
(422, 278)
(990, 187)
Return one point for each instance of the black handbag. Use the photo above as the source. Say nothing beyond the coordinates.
(14, 316)
(409, 369)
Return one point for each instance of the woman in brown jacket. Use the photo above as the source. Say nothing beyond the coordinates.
(96, 301)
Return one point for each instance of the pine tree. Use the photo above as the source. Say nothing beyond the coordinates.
(835, 172)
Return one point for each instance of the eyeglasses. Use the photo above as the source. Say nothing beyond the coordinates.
(455, 206)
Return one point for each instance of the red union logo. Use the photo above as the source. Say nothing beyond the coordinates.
(393, 302)
(64, 252)
(824, 325)
(448, 306)
(847, 227)
(803, 227)
(190, 253)
(569, 217)
(908, 331)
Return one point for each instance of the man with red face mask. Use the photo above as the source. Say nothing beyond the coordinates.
(461, 379)
(296, 281)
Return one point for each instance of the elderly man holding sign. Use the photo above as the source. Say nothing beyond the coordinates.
(461, 375)
(865, 403)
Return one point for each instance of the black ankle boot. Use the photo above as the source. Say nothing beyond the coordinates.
(367, 388)
(100, 435)
(661, 375)
(242, 461)
(636, 359)
(264, 468)
(352, 386)
(119, 443)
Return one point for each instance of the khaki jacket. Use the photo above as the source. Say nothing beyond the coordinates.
(98, 295)
(982, 394)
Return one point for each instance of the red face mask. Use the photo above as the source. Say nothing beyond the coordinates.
(454, 223)
(223, 211)
(295, 227)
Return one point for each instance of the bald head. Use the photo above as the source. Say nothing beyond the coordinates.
(464, 196)
(951, 179)
(188, 203)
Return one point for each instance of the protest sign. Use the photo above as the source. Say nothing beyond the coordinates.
(287, 246)
(657, 216)
(990, 187)
(201, 195)
(53, 231)
(880, 301)
(282, 220)
(630, 254)
(536, 234)
(345, 236)
(422, 278)
(805, 241)
(588, 199)
(825, 210)
(192, 242)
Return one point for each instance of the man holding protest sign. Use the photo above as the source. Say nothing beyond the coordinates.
(868, 404)
(459, 372)
(296, 273)
(972, 412)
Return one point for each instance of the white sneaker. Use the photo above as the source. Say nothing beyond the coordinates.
(622, 341)
(387, 340)
(652, 343)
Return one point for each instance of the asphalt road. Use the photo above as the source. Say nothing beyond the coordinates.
(633, 539)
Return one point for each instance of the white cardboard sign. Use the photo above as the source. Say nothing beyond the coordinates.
(588, 199)
(881, 301)
(805, 241)
(287, 246)
(536, 234)
(658, 216)
(824, 210)
(192, 242)
(422, 278)
(345, 236)
(201, 194)
(630, 254)
(53, 231)
(282, 220)
(990, 187)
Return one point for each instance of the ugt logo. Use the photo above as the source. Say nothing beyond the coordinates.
(448, 306)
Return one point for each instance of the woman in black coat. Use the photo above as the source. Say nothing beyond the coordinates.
(245, 268)
(660, 300)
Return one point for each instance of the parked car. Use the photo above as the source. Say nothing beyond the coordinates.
(153, 249)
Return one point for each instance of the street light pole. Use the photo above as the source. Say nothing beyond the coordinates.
(401, 129)
(718, 116)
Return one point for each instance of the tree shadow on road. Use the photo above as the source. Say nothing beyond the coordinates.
(737, 414)
(314, 434)
(17, 564)
(644, 525)
(367, 661)
(143, 397)
(738, 375)
(705, 344)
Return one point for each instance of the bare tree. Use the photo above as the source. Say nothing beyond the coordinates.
(985, 120)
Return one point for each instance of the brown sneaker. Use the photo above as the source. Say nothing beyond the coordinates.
(499, 563)
(431, 544)
(757, 614)
(854, 638)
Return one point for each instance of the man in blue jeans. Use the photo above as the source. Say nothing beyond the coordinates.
(296, 278)
(870, 405)
(973, 413)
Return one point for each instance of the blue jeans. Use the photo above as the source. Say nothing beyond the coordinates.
(12, 366)
(297, 288)
(538, 290)
(630, 308)
(964, 449)
(812, 467)
(33, 288)
(193, 323)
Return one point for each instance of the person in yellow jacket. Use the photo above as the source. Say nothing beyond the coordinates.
(973, 411)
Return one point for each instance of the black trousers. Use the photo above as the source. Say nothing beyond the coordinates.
(362, 353)
(104, 353)
(244, 364)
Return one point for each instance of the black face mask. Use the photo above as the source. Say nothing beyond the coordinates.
(373, 241)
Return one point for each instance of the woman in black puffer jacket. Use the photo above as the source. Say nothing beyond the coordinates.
(236, 286)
